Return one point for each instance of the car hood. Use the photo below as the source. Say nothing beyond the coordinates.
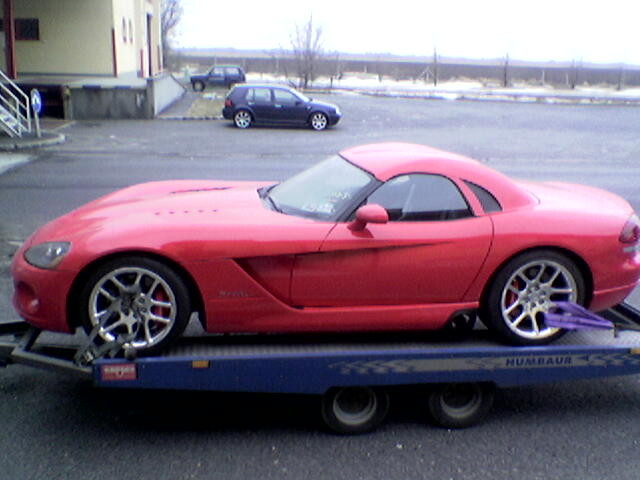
(324, 105)
(176, 215)
(174, 199)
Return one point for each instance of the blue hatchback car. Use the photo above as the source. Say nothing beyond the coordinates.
(247, 104)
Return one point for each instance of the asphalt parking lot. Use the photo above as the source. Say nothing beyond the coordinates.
(58, 427)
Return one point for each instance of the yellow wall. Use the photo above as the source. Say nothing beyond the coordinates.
(76, 37)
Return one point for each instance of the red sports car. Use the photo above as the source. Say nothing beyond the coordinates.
(380, 237)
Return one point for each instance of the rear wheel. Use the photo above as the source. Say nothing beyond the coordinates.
(137, 299)
(525, 289)
(353, 410)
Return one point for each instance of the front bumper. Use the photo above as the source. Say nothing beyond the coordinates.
(334, 118)
(40, 296)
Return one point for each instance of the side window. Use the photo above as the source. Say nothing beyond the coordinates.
(489, 203)
(284, 98)
(232, 71)
(260, 95)
(217, 71)
(420, 197)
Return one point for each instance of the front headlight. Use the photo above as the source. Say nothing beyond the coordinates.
(47, 255)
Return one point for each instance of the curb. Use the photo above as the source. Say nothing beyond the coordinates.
(47, 139)
(187, 117)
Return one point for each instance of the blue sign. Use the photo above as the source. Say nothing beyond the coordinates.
(36, 101)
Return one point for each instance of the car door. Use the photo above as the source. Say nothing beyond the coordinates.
(232, 75)
(430, 251)
(260, 102)
(288, 108)
(216, 76)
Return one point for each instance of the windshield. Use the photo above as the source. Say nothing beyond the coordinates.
(323, 191)
(301, 96)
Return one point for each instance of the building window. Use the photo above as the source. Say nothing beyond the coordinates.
(25, 28)
(124, 30)
(130, 31)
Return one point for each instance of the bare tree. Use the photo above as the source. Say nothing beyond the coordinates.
(307, 50)
(505, 72)
(169, 19)
(435, 67)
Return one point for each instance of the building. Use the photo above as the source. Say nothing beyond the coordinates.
(83, 55)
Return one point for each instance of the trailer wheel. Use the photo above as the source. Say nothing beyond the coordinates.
(460, 405)
(353, 410)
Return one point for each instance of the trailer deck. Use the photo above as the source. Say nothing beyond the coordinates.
(352, 372)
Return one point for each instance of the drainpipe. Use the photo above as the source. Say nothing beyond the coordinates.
(10, 39)
(114, 52)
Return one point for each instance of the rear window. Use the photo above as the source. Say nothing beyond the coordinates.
(489, 203)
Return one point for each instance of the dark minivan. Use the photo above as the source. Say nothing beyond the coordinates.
(225, 75)
(246, 104)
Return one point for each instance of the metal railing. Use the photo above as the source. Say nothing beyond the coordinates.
(15, 109)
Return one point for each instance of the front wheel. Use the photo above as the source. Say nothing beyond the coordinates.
(140, 300)
(525, 289)
(198, 86)
(242, 119)
(318, 121)
(353, 410)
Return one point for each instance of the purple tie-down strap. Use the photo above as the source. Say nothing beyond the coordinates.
(571, 316)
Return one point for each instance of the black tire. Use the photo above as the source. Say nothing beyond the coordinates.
(318, 121)
(136, 298)
(354, 410)
(524, 289)
(460, 405)
(242, 119)
(198, 86)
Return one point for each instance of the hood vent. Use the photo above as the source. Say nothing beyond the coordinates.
(194, 190)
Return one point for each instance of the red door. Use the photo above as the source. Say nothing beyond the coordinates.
(397, 263)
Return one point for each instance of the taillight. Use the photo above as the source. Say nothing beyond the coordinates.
(228, 103)
(631, 231)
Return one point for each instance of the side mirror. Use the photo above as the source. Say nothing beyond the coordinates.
(373, 213)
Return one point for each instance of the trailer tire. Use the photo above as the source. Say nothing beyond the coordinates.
(354, 410)
(460, 405)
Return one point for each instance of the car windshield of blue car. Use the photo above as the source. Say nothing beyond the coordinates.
(301, 96)
(321, 192)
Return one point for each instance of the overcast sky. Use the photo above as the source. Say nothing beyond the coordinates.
(540, 30)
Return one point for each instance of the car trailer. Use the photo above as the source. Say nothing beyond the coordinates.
(351, 373)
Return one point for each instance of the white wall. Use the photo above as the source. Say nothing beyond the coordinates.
(124, 16)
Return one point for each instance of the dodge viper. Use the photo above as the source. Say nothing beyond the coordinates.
(379, 237)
